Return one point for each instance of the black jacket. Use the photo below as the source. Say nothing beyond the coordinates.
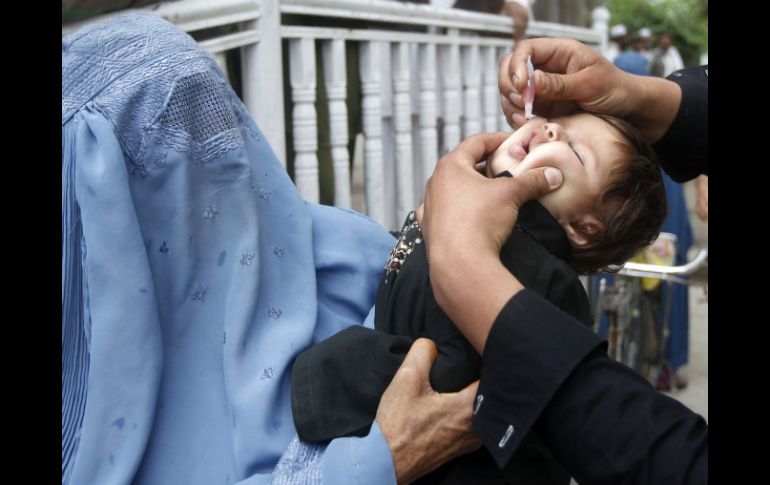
(543, 370)
(684, 149)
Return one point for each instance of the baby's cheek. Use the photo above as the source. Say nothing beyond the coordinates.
(500, 162)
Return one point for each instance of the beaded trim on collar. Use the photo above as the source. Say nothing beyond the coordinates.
(411, 235)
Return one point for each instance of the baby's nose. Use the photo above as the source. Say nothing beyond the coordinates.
(552, 132)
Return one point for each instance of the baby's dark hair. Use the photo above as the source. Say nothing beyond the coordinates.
(631, 208)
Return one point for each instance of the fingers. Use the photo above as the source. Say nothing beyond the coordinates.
(587, 76)
(508, 108)
(559, 56)
(468, 394)
(557, 87)
(552, 55)
(516, 66)
(420, 357)
(504, 78)
(518, 120)
(514, 115)
(551, 86)
(533, 184)
(460, 405)
(510, 99)
(476, 148)
(543, 52)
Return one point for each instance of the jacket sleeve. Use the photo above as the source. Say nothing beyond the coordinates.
(544, 370)
(683, 150)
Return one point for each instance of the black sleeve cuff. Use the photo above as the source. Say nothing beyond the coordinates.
(531, 349)
(683, 150)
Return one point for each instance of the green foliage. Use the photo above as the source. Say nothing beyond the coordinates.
(685, 20)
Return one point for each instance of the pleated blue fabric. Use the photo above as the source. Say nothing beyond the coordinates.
(193, 275)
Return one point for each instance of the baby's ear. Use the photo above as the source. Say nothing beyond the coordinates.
(585, 231)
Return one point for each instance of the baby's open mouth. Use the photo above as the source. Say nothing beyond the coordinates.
(526, 146)
(521, 150)
(518, 150)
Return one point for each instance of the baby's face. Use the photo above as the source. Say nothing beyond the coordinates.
(585, 148)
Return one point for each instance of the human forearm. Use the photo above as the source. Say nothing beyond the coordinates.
(653, 104)
(471, 289)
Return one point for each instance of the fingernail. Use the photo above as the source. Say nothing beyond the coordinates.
(515, 99)
(518, 120)
(515, 82)
(553, 176)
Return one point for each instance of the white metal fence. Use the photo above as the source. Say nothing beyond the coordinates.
(427, 78)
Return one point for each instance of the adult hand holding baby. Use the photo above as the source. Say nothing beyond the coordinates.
(467, 218)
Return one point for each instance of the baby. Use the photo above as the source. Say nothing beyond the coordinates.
(611, 204)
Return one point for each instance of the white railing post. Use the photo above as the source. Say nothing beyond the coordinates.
(471, 69)
(450, 75)
(304, 119)
(491, 95)
(402, 124)
(427, 115)
(335, 76)
(601, 19)
(371, 110)
(221, 61)
(262, 75)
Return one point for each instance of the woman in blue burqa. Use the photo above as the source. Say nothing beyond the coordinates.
(193, 274)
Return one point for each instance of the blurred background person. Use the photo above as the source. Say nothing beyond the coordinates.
(617, 43)
(666, 58)
(645, 34)
(631, 60)
(519, 10)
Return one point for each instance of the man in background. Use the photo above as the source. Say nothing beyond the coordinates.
(666, 57)
(632, 60)
(617, 42)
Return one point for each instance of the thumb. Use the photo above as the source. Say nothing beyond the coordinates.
(555, 87)
(468, 394)
(419, 360)
(534, 183)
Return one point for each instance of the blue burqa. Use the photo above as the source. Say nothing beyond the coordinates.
(192, 276)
